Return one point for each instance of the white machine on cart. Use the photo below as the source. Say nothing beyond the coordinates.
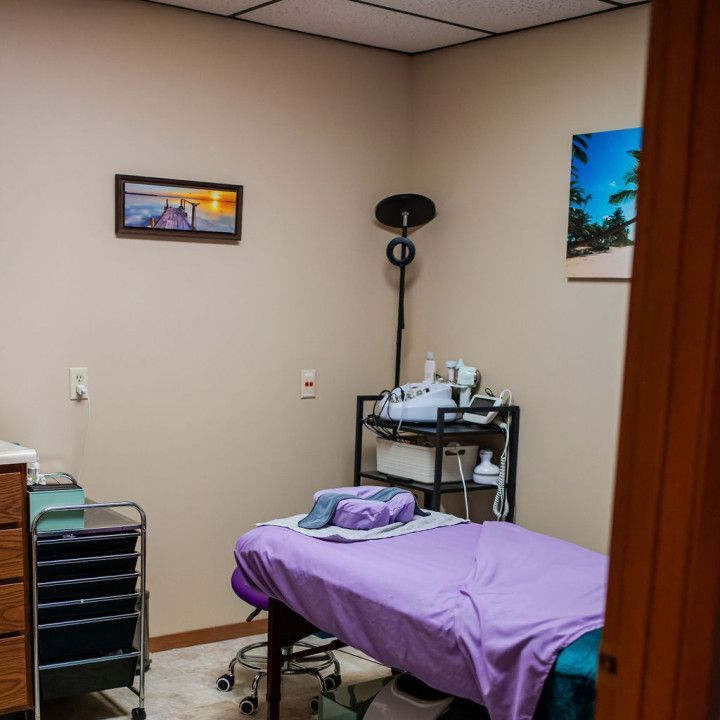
(417, 402)
(405, 698)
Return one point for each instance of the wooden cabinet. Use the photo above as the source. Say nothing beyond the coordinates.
(13, 674)
(12, 497)
(15, 634)
(12, 545)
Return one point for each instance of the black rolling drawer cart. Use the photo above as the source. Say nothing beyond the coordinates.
(439, 436)
(89, 603)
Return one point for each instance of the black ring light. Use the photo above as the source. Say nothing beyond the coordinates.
(405, 257)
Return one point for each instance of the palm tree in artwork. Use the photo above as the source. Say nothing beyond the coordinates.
(631, 182)
(579, 152)
(578, 196)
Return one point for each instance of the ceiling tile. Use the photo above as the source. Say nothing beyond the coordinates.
(496, 15)
(219, 7)
(362, 24)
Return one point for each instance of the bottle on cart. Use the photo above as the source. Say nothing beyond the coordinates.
(430, 368)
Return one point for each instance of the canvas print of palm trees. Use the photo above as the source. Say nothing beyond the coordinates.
(603, 196)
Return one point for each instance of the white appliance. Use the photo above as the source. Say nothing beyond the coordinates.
(486, 473)
(398, 701)
(466, 378)
(482, 402)
(418, 402)
(417, 462)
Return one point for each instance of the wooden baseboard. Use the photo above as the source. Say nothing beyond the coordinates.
(207, 635)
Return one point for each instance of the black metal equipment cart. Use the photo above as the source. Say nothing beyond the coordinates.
(88, 600)
(439, 436)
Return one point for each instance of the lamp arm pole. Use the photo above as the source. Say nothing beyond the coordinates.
(401, 303)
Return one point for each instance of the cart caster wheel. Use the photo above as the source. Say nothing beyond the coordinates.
(225, 682)
(333, 681)
(315, 705)
(138, 714)
(249, 705)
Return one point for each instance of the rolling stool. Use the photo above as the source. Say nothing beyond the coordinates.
(254, 656)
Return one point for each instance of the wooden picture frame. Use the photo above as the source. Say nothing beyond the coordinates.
(178, 209)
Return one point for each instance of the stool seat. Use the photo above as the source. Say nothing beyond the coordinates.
(247, 593)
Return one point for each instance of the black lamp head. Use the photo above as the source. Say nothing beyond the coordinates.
(406, 210)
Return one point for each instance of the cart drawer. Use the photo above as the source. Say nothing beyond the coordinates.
(68, 546)
(87, 608)
(13, 674)
(11, 553)
(11, 497)
(57, 591)
(86, 567)
(90, 676)
(12, 608)
(64, 641)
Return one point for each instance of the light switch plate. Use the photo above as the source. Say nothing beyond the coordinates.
(308, 383)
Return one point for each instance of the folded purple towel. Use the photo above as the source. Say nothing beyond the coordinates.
(360, 513)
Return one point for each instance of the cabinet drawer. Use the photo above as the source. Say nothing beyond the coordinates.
(11, 498)
(13, 674)
(12, 608)
(11, 554)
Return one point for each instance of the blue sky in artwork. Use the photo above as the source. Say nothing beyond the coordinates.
(608, 161)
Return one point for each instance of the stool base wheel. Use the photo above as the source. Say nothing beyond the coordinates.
(249, 705)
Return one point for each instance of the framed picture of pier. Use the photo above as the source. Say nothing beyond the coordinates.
(186, 209)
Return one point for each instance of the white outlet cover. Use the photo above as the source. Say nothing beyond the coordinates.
(77, 376)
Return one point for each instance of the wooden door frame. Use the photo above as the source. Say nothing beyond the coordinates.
(659, 656)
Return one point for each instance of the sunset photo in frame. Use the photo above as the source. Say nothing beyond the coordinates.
(187, 209)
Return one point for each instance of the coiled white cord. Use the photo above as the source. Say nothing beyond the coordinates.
(500, 506)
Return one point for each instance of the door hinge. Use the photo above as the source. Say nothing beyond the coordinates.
(608, 663)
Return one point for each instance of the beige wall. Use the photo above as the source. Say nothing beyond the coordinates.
(187, 344)
(194, 351)
(493, 123)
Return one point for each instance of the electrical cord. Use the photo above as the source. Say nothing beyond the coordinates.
(81, 464)
(500, 506)
(381, 426)
(462, 477)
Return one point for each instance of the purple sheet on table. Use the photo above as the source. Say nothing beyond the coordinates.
(478, 611)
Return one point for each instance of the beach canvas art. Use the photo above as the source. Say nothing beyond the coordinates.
(603, 204)
(159, 207)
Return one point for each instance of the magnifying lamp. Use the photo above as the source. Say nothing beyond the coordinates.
(403, 211)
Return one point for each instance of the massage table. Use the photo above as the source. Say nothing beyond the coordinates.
(411, 603)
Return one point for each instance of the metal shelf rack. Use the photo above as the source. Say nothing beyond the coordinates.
(88, 598)
(439, 436)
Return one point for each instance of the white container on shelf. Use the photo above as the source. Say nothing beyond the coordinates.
(417, 462)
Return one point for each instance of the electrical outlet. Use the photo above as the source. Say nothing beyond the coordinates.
(78, 381)
(308, 383)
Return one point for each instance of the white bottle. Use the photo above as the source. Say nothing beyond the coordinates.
(33, 473)
(429, 368)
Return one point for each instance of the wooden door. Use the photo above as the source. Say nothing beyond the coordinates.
(659, 658)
